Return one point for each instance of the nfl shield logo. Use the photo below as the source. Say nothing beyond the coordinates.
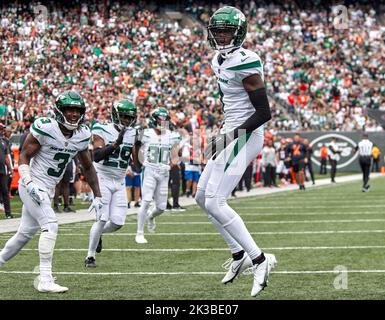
(66, 144)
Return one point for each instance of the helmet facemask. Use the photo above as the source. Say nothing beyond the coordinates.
(117, 118)
(69, 100)
(216, 35)
(60, 118)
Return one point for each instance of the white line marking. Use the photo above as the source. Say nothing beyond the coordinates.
(274, 222)
(217, 234)
(183, 273)
(214, 249)
(261, 214)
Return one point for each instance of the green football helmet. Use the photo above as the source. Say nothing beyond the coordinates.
(69, 99)
(157, 116)
(124, 113)
(228, 22)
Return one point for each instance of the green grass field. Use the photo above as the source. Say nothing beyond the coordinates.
(311, 233)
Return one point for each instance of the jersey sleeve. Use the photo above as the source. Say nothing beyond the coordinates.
(249, 64)
(85, 138)
(99, 129)
(41, 130)
(145, 137)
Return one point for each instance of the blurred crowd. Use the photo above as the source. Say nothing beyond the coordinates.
(326, 74)
(318, 77)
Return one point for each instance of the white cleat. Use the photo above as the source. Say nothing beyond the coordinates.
(140, 239)
(261, 273)
(50, 287)
(236, 268)
(151, 225)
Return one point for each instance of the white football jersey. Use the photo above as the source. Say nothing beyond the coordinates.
(49, 164)
(157, 148)
(115, 165)
(236, 104)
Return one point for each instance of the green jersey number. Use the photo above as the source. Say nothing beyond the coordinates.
(158, 154)
(63, 159)
(113, 160)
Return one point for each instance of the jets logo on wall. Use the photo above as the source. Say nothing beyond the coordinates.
(346, 146)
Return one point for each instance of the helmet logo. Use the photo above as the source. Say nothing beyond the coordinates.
(240, 16)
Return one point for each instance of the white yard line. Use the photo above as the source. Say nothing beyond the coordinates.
(121, 234)
(207, 273)
(273, 222)
(212, 249)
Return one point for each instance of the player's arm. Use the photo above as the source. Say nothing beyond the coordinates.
(174, 155)
(89, 171)
(8, 162)
(102, 151)
(137, 150)
(30, 148)
(256, 90)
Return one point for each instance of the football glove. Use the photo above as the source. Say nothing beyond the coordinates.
(96, 205)
(36, 193)
(119, 141)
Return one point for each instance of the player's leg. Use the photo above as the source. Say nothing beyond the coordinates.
(148, 188)
(118, 209)
(227, 170)
(137, 186)
(200, 198)
(160, 201)
(44, 215)
(129, 184)
(100, 221)
(27, 229)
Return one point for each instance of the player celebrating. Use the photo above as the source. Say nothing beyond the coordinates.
(246, 108)
(48, 148)
(158, 142)
(113, 144)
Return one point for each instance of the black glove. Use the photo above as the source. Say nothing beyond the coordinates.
(216, 145)
(119, 141)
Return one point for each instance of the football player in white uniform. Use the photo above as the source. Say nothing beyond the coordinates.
(239, 73)
(50, 145)
(157, 147)
(113, 145)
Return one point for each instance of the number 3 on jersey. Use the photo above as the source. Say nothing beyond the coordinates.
(113, 159)
(63, 160)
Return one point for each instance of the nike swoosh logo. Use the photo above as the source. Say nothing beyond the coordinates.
(242, 60)
(235, 270)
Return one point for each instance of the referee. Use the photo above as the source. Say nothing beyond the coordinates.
(364, 149)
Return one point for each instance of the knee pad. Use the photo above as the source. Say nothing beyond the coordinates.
(47, 242)
(218, 208)
(146, 205)
(115, 226)
(51, 227)
(160, 209)
(200, 198)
